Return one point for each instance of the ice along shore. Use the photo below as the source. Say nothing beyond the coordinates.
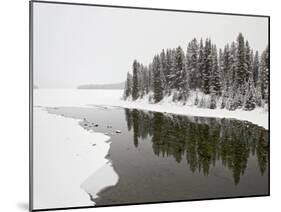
(86, 98)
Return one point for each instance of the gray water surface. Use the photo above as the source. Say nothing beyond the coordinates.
(164, 157)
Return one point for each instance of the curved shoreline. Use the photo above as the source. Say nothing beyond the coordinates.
(84, 98)
(258, 116)
(67, 162)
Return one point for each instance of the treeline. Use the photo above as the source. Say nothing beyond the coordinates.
(102, 86)
(201, 142)
(233, 77)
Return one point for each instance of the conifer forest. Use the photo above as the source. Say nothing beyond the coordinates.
(235, 77)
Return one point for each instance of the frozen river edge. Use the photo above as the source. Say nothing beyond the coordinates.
(66, 160)
(51, 136)
(86, 98)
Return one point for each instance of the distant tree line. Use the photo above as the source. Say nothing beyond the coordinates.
(102, 86)
(234, 77)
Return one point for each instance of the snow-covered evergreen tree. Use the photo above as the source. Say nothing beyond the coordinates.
(232, 63)
(259, 99)
(250, 101)
(248, 61)
(215, 75)
(224, 74)
(230, 68)
(171, 63)
(135, 87)
(264, 75)
(221, 63)
(252, 65)
(164, 69)
(150, 78)
(179, 74)
(128, 86)
(200, 64)
(226, 71)
(145, 80)
(163, 60)
(192, 64)
(256, 68)
(206, 77)
(158, 87)
(234, 78)
(241, 66)
(141, 81)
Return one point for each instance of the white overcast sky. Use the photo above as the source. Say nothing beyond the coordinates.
(76, 45)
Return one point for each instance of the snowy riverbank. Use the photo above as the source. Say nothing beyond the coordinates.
(65, 157)
(86, 98)
(67, 167)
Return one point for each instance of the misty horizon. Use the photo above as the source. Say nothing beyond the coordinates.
(75, 46)
(77, 86)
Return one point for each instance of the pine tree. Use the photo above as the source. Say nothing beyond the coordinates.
(248, 62)
(163, 60)
(192, 64)
(225, 74)
(143, 85)
(215, 76)
(206, 78)
(221, 63)
(179, 70)
(231, 103)
(232, 63)
(259, 94)
(241, 66)
(171, 62)
(256, 68)
(250, 101)
(264, 75)
(128, 86)
(135, 88)
(200, 63)
(146, 80)
(141, 81)
(164, 69)
(150, 78)
(157, 83)
(226, 70)
(251, 68)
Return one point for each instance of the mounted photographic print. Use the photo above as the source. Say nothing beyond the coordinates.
(138, 105)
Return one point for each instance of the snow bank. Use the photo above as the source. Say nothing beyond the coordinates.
(258, 116)
(75, 97)
(64, 158)
(85, 98)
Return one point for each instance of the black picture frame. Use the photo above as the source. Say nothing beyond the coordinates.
(31, 2)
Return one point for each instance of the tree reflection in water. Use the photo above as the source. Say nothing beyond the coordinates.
(201, 141)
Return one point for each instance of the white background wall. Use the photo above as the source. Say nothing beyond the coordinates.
(14, 104)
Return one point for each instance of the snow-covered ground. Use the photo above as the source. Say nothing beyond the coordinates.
(86, 98)
(66, 164)
(65, 161)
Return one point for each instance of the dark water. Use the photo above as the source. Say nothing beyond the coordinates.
(165, 157)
